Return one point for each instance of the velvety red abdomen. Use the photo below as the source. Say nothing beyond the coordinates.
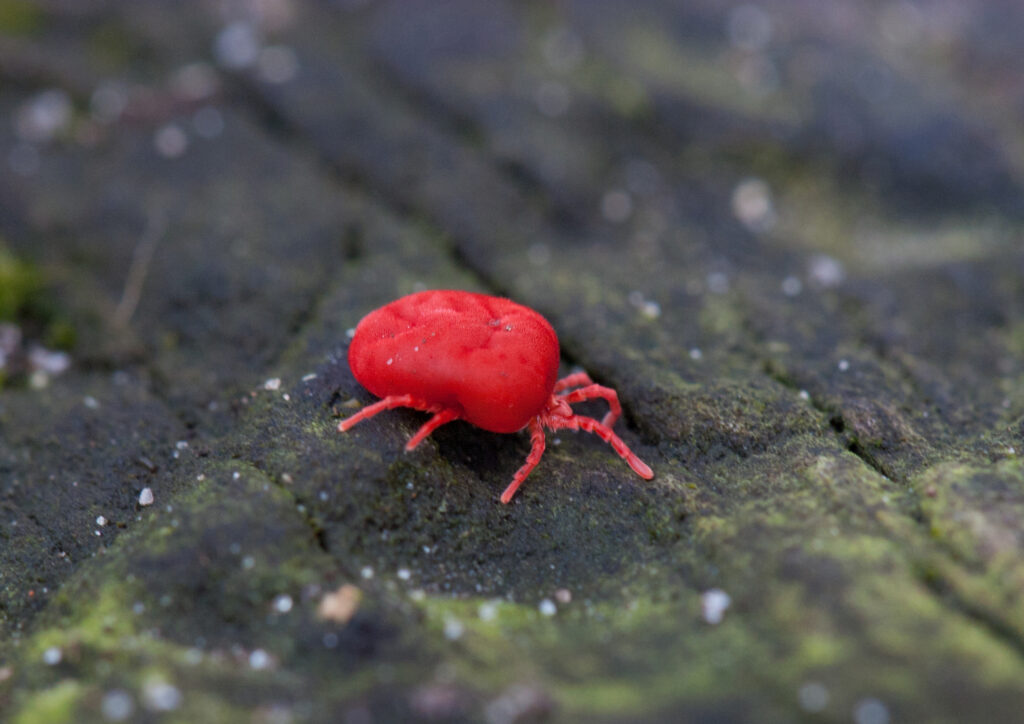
(492, 359)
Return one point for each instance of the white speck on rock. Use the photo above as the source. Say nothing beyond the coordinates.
(146, 496)
(274, 383)
(870, 711)
(453, 629)
(283, 603)
(117, 705)
(170, 141)
(813, 697)
(259, 659)
(547, 607)
(713, 604)
(52, 656)
(161, 696)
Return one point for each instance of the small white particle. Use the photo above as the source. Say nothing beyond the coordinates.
(696, 354)
(752, 205)
(792, 286)
(146, 496)
(366, 572)
(390, 360)
(843, 365)
(236, 475)
(161, 696)
(547, 607)
(52, 656)
(307, 378)
(453, 629)
(274, 383)
(826, 271)
(91, 402)
(487, 611)
(248, 562)
(259, 659)
(812, 696)
(350, 332)
(870, 711)
(237, 46)
(404, 574)
(44, 116)
(181, 444)
(563, 595)
(283, 603)
(101, 521)
(805, 395)
(201, 477)
(117, 705)
(170, 141)
(713, 604)
(52, 363)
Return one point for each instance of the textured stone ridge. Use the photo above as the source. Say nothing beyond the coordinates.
(790, 237)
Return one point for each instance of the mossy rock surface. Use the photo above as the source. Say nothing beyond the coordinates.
(798, 260)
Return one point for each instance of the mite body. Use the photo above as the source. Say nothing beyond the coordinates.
(483, 359)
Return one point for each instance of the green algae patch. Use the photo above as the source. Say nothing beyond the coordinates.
(20, 285)
(20, 17)
(55, 705)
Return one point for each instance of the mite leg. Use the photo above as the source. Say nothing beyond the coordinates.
(388, 403)
(446, 415)
(536, 450)
(576, 379)
(590, 392)
(589, 424)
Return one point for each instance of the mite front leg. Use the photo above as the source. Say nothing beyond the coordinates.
(536, 450)
(444, 416)
(388, 403)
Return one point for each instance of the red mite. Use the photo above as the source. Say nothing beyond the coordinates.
(482, 359)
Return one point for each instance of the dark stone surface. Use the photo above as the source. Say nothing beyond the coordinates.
(789, 235)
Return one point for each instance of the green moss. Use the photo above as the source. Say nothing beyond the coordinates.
(51, 706)
(20, 284)
(20, 17)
